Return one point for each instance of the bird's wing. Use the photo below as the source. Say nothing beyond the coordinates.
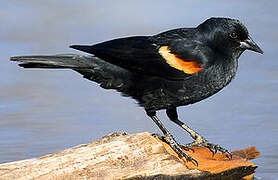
(143, 55)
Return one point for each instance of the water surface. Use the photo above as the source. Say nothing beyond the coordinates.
(45, 111)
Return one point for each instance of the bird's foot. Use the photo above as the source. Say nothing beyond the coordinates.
(177, 148)
(212, 147)
(163, 138)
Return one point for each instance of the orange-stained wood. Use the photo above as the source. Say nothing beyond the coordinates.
(189, 67)
(218, 163)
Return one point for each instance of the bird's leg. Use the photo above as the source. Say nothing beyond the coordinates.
(198, 139)
(169, 138)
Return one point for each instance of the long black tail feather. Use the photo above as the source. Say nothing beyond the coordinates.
(109, 76)
(71, 61)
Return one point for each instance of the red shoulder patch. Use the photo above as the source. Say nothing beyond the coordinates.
(188, 66)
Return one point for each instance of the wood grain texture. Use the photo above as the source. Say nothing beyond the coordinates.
(123, 156)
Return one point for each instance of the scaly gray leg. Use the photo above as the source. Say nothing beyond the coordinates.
(169, 138)
(198, 139)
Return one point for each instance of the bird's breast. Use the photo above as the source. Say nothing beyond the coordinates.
(210, 81)
(159, 93)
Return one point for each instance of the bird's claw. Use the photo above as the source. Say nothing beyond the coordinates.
(228, 155)
(177, 148)
(187, 148)
(214, 148)
(188, 158)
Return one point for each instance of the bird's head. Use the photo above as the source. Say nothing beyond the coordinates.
(227, 35)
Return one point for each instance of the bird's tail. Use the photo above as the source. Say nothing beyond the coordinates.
(72, 61)
(93, 68)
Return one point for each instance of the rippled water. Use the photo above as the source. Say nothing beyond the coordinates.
(45, 111)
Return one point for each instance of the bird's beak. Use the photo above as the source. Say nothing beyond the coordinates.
(251, 45)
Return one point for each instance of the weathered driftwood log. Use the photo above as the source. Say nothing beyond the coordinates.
(135, 156)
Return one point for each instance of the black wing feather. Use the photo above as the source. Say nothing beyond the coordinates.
(137, 54)
(140, 54)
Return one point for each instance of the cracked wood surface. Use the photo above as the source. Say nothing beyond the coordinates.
(134, 156)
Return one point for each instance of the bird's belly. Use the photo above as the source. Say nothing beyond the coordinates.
(156, 96)
(165, 94)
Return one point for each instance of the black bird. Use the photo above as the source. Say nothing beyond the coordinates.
(171, 69)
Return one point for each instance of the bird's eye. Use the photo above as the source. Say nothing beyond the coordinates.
(233, 35)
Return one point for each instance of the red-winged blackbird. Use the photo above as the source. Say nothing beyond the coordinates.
(164, 71)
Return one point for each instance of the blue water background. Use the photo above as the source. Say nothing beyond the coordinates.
(46, 111)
